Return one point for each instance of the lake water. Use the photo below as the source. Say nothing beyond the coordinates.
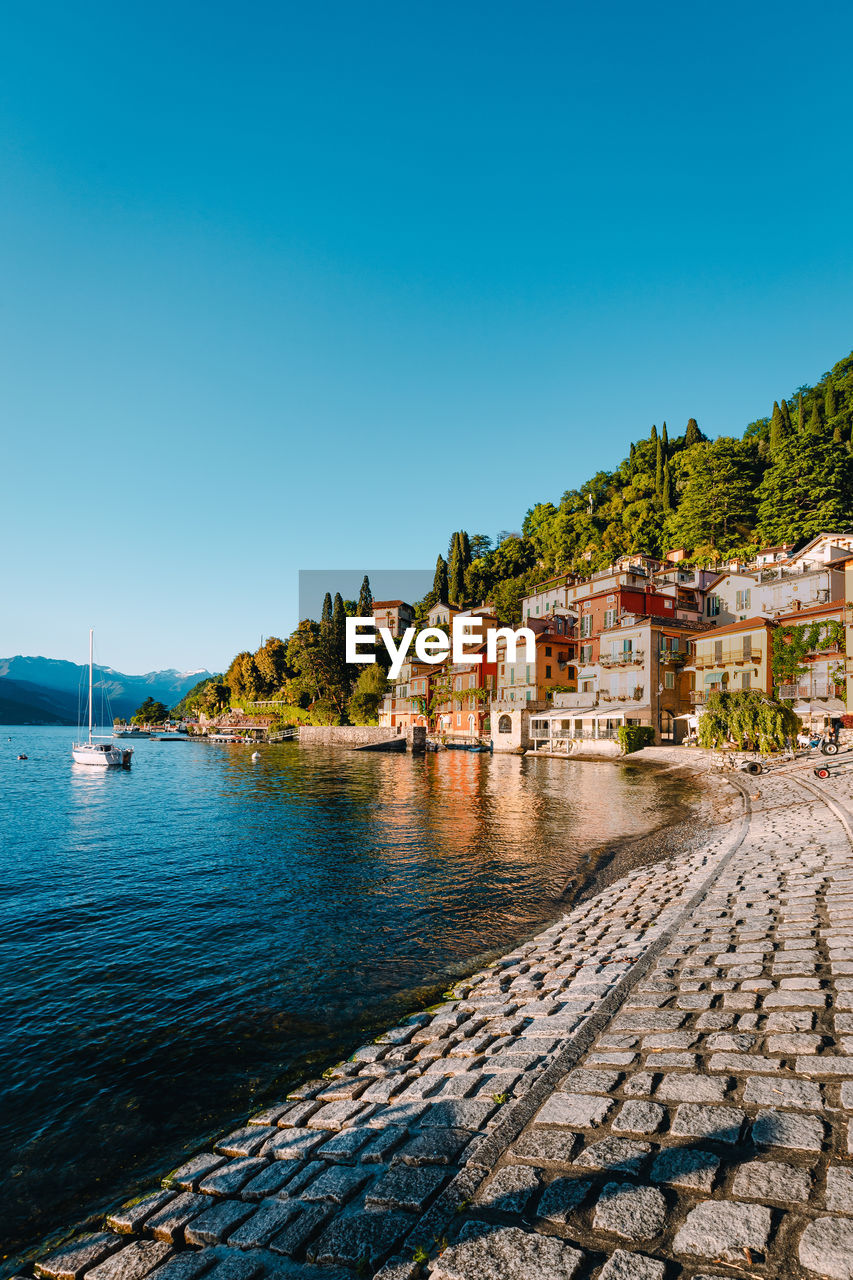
(183, 941)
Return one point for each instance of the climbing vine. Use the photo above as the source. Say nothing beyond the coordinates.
(792, 644)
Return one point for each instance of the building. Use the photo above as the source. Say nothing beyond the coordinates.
(461, 696)
(773, 555)
(395, 615)
(825, 549)
(728, 659)
(824, 661)
(640, 678)
(553, 669)
(550, 596)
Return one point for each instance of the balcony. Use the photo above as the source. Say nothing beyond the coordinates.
(628, 658)
(815, 688)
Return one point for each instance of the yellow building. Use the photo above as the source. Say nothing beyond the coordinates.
(732, 658)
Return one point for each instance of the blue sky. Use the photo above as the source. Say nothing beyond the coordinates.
(288, 287)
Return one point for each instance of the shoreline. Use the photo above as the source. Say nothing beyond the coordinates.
(601, 865)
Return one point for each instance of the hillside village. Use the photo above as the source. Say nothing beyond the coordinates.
(642, 643)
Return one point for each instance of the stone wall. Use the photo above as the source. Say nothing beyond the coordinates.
(343, 735)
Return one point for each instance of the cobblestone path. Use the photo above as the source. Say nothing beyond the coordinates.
(658, 1086)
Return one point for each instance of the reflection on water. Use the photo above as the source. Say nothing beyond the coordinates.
(182, 941)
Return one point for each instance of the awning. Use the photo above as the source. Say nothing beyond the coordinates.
(562, 713)
(820, 707)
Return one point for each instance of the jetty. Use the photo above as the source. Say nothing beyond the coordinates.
(659, 1086)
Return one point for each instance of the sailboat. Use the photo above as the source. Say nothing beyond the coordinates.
(104, 755)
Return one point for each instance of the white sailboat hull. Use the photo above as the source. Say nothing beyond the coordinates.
(101, 757)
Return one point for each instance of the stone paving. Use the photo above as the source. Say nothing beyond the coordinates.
(660, 1085)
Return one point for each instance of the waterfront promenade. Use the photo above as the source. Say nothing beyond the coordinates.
(659, 1085)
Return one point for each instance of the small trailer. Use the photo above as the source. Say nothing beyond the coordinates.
(826, 769)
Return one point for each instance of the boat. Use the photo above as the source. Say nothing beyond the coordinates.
(131, 731)
(102, 755)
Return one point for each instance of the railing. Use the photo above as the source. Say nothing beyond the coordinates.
(628, 658)
(807, 689)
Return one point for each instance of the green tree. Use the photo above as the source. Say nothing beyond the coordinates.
(439, 582)
(786, 418)
(365, 599)
(481, 545)
(830, 407)
(777, 428)
(150, 712)
(339, 621)
(464, 548)
(456, 573)
(654, 434)
(659, 458)
(717, 506)
(749, 718)
(664, 439)
(667, 487)
(807, 489)
(815, 427)
(369, 690)
(692, 434)
(326, 612)
(801, 417)
(271, 664)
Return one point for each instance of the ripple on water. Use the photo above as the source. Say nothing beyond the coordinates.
(182, 940)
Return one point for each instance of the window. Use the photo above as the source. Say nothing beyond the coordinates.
(586, 686)
(528, 695)
(712, 606)
(586, 653)
(547, 651)
(718, 650)
(459, 717)
(527, 674)
(512, 675)
(586, 626)
(747, 646)
(746, 680)
(547, 673)
(505, 724)
(742, 599)
(669, 679)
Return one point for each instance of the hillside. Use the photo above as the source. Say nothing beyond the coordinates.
(36, 690)
(25, 703)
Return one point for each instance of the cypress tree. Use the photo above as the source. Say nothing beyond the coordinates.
(339, 618)
(815, 427)
(692, 434)
(654, 436)
(665, 441)
(454, 539)
(659, 468)
(830, 408)
(777, 428)
(837, 436)
(439, 582)
(801, 419)
(456, 574)
(667, 487)
(465, 548)
(365, 599)
(786, 417)
(326, 615)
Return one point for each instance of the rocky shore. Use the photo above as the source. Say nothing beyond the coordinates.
(659, 1085)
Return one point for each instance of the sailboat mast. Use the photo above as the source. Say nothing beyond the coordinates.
(91, 661)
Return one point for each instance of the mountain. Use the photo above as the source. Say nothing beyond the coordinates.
(25, 703)
(47, 690)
